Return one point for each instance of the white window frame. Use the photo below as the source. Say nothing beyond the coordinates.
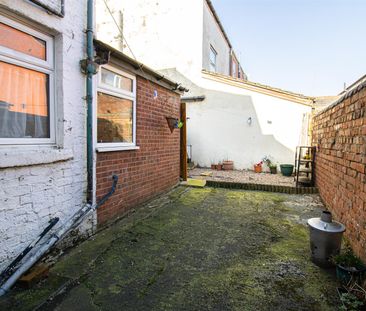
(234, 72)
(117, 92)
(29, 62)
(214, 53)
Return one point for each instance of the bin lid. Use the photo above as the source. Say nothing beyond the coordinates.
(333, 226)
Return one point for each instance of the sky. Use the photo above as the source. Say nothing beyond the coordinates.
(310, 47)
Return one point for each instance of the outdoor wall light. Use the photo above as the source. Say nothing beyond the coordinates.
(249, 121)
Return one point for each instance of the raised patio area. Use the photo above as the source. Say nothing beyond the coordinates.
(243, 176)
(249, 180)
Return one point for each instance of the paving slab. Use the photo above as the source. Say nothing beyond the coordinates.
(193, 249)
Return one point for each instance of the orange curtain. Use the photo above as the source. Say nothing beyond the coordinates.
(23, 102)
(24, 89)
(22, 42)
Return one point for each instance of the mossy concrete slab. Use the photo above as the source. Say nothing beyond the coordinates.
(196, 249)
(198, 183)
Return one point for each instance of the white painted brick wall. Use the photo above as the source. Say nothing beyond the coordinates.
(31, 195)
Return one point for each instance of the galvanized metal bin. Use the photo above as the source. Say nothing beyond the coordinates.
(325, 238)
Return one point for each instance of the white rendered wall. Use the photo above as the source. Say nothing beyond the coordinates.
(161, 33)
(212, 36)
(177, 34)
(38, 183)
(218, 127)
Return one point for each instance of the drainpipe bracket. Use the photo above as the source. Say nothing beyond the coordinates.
(88, 66)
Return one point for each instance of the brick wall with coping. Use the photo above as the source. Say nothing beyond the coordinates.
(149, 171)
(339, 134)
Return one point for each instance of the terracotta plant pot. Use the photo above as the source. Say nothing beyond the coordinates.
(228, 165)
(258, 168)
(172, 123)
(219, 167)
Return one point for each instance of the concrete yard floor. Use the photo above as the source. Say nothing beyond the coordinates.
(193, 249)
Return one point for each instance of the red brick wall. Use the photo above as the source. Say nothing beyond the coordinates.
(152, 169)
(340, 136)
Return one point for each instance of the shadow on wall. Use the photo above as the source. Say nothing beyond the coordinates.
(227, 126)
(240, 125)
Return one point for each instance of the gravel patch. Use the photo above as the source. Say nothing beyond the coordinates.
(243, 176)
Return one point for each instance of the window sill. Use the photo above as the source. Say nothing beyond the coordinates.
(114, 148)
(29, 156)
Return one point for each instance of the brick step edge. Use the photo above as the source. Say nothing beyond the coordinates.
(261, 187)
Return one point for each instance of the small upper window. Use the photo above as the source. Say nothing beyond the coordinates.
(26, 85)
(234, 73)
(213, 57)
(22, 42)
(117, 81)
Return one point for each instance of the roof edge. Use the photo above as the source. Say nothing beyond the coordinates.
(140, 66)
(268, 90)
(217, 18)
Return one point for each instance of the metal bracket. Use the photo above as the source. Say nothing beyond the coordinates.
(88, 66)
(102, 56)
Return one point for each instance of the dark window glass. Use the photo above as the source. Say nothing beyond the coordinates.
(115, 119)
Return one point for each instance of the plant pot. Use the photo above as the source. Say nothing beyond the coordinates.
(213, 166)
(258, 168)
(273, 170)
(228, 165)
(287, 169)
(345, 274)
(172, 123)
(219, 167)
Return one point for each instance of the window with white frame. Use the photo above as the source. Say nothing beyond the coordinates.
(26, 85)
(234, 73)
(213, 56)
(116, 109)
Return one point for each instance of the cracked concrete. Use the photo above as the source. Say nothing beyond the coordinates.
(193, 249)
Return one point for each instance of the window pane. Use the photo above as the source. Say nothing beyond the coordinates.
(117, 81)
(115, 119)
(213, 55)
(24, 103)
(22, 42)
(234, 70)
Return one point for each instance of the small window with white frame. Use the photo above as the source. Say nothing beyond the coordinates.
(116, 110)
(234, 73)
(27, 109)
(213, 57)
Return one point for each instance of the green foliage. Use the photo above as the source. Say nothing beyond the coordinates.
(350, 302)
(347, 259)
(268, 161)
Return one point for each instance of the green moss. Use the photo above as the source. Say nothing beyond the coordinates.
(20, 299)
(204, 249)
